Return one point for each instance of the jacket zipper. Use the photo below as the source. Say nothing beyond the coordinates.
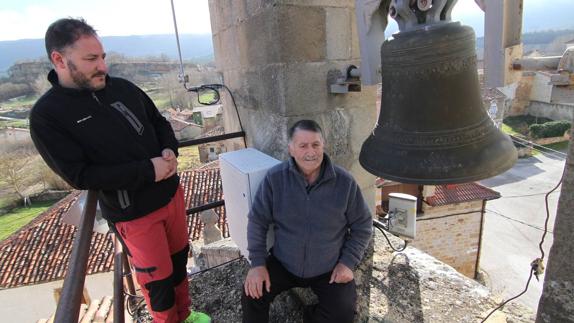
(96, 98)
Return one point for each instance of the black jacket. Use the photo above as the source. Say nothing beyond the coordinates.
(103, 141)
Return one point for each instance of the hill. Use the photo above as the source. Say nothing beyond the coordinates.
(197, 48)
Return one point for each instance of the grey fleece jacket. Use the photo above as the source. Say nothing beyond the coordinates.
(313, 230)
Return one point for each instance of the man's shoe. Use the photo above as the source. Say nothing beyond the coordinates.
(197, 317)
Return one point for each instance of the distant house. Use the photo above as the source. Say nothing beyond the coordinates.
(450, 219)
(184, 129)
(210, 151)
(211, 115)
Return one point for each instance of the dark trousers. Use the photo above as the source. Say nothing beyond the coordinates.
(336, 301)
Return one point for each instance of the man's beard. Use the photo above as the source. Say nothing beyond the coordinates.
(81, 80)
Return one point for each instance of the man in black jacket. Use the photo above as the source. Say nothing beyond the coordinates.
(105, 134)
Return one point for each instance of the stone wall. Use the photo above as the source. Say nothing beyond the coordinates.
(522, 95)
(278, 58)
(557, 302)
(410, 286)
(452, 237)
(551, 110)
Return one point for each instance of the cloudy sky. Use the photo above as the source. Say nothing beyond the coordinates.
(21, 19)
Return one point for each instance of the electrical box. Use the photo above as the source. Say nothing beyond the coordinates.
(402, 215)
(241, 173)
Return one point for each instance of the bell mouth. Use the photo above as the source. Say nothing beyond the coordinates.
(420, 158)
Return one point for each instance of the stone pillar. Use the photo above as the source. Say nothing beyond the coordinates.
(557, 301)
(277, 57)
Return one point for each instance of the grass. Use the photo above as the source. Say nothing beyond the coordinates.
(560, 146)
(188, 158)
(509, 130)
(19, 217)
(20, 102)
(520, 124)
(14, 124)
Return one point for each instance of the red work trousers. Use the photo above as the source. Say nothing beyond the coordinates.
(158, 246)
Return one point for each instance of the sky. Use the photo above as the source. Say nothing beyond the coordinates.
(25, 19)
(29, 19)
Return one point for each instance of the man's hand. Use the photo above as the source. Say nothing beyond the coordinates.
(341, 274)
(256, 277)
(169, 156)
(162, 168)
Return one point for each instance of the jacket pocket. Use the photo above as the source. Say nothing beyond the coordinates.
(123, 199)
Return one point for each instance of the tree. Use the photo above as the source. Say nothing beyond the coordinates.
(41, 85)
(15, 171)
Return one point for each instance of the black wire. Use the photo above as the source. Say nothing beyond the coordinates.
(447, 216)
(548, 213)
(512, 298)
(533, 269)
(524, 142)
(237, 112)
(216, 266)
(379, 225)
(215, 87)
(518, 221)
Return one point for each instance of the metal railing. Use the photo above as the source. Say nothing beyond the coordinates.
(70, 300)
(68, 309)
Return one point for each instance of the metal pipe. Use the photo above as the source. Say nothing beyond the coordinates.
(204, 207)
(548, 63)
(182, 77)
(70, 300)
(193, 142)
(118, 282)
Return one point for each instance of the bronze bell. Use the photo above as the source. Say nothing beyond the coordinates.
(432, 126)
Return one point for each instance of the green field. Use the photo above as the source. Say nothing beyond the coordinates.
(19, 217)
(27, 100)
(14, 124)
(188, 158)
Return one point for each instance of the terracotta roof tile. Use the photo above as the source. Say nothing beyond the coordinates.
(206, 184)
(40, 251)
(451, 194)
(216, 131)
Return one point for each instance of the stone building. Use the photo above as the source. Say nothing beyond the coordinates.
(450, 219)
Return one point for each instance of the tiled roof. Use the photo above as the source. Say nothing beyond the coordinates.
(179, 125)
(40, 251)
(206, 184)
(216, 131)
(451, 194)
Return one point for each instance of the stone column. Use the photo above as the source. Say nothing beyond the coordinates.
(557, 301)
(277, 57)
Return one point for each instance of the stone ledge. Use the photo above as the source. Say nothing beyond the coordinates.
(403, 287)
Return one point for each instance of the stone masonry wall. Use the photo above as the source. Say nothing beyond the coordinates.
(278, 57)
(557, 303)
(453, 239)
(410, 286)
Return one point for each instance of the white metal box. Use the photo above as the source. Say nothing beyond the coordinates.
(402, 215)
(241, 173)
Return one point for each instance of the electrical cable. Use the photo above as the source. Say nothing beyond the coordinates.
(183, 78)
(548, 213)
(525, 142)
(532, 270)
(447, 216)
(525, 195)
(215, 87)
(216, 266)
(518, 221)
(537, 265)
(379, 225)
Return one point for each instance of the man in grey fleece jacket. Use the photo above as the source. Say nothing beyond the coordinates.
(322, 227)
